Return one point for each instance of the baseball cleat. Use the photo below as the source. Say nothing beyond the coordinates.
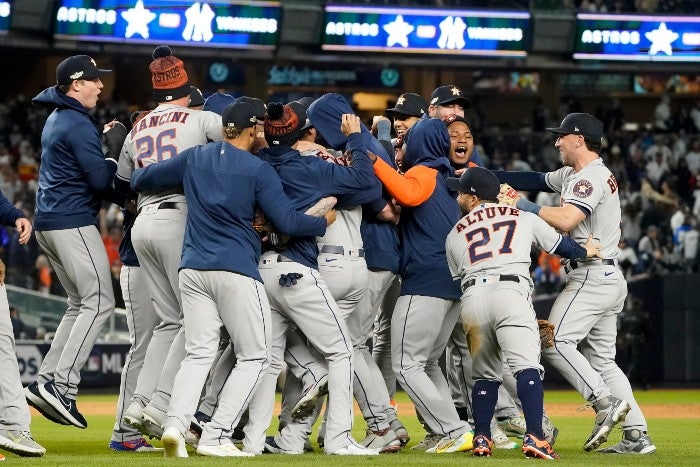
(538, 448)
(500, 440)
(133, 416)
(135, 445)
(31, 393)
(462, 443)
(633, 442)
(173, 443)
(354, 449)
(383, 440)
(483, 447)
(222, 450)
(429, 442)
(609, 412)
(272, 447)
(307, 403)
(65, 406)
(20, 443)
(513, 426)
(400, 431)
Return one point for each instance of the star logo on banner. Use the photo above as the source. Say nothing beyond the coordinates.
(138, 19)
(661, 40)
(398, 31)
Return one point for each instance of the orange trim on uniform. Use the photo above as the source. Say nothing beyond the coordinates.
(410, 189)
(472, 164)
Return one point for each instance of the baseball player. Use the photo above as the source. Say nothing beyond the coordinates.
(141, 320)
(447, 100)
(488, 250)
(297, 292)
(219, 279)
(378, 227)
(159, 228)
(72, 176)
(585, 312)
(427, 308)
(14, 414)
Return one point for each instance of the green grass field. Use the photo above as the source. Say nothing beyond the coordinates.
(675, 439)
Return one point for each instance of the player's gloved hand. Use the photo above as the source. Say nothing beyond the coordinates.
(290, 279)
(114, 137)
(508, 195)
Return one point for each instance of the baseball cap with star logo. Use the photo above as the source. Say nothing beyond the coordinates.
(411, 104)
(448, 94)
(580, 124)
(78, 67)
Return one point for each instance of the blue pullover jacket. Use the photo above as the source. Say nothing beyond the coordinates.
(222, 185)
(308, 179)
(73, 170)
(380, 239)
(424, 226)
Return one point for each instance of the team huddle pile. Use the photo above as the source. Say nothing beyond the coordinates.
(258, 236)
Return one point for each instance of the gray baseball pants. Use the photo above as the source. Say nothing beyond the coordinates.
(211, 299)
(141, 319)
(14, 412)
(79, 258)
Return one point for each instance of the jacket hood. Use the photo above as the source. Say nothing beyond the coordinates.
(52, 98)
(428, 143)
(326, 113)
(277, 156)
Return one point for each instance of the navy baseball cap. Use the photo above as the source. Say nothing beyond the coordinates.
(476, 181)
(239, 115)
(196, 97)
(448, 94)
(411, 104)
(78, 67)
(258, 105)
(580, 124)
(217, 102)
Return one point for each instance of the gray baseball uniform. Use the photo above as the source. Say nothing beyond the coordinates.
(585, 312)
(14, 413)
(141, 319)
(158, 233)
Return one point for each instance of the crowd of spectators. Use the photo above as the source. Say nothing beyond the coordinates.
(656, 168)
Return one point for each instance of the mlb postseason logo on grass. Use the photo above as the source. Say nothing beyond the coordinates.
(5, 11)
(479, 33)
(215, 23)
(637, 38)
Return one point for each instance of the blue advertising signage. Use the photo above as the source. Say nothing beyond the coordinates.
(217, 23)
(637, 38)
(5, 10)
(435, 31)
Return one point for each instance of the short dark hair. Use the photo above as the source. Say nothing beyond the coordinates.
(594, 145)
(232, 132)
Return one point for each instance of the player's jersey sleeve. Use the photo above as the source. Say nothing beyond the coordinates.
(125, 167)
(585, 190)
(451, 251)
(543, 235)
(211, 125)
(555, 180)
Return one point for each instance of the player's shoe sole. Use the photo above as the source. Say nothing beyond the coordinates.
(307, 403)
(606, 419)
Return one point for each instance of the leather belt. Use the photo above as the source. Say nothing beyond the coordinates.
(169, 205)
(339, 250)
(501, 278)
(573, 264)
(284, 259)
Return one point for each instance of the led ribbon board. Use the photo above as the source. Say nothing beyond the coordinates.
(211, 24)
(436, 31)
(5, 11)
(637, 38)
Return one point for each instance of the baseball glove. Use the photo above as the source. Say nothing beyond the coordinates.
(114, 139)
(508, 195)
(546, 334)
(268, 233)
